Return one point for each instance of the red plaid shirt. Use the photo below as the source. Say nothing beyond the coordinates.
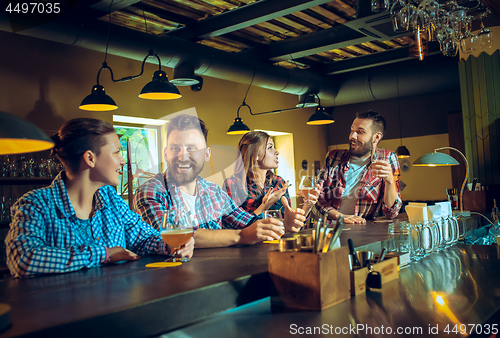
(371, 192)
(249, 196)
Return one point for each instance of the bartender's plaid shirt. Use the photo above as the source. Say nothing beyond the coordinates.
(45, 236)
(371, 192)
(249, 196)
(214, 208)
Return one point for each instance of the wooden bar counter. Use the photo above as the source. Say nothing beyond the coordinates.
(130, 300)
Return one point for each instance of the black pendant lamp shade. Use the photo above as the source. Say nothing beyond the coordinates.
(238, 128)
(402, 152)
(320, 117)
(98, 100)
(160, 88)
(19, 136)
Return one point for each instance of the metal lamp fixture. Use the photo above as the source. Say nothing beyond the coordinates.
(436, 159)
(238, 127)
(18, 136)
(402, 152)
(320, 117)
(158, 89)
(97, 100)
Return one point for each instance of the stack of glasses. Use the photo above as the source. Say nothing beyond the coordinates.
(429, 229)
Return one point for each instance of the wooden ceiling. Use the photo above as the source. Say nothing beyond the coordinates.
(289, 33)
(327, 37)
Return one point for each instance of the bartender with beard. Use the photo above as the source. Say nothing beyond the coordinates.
(218, 220)
(356, 187)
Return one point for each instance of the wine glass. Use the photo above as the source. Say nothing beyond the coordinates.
(176, 231)
(307, 186)
(399, 17)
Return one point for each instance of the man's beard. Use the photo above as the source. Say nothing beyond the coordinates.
(187, 177)
(365, 149)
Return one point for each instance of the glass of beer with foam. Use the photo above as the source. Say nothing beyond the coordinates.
(176, 230)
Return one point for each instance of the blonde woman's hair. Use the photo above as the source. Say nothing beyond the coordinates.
(251, 145)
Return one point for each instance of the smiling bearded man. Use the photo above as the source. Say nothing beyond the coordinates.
(218, 221)
(354, 186)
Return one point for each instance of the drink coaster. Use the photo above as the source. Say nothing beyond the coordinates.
(276, 241)
(162, 264)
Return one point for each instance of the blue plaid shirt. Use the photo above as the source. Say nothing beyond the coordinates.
(214, 208)
(45, 235)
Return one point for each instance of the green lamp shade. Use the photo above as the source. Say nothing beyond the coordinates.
(18, 136)
(159, 88)
(320, 117)
(435, 159)
(238, 128)
(402, 152)
(98, 100)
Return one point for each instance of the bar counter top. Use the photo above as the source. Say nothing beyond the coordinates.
(131, 300)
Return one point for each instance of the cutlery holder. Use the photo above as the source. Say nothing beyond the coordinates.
(306, 280)
(388, 269)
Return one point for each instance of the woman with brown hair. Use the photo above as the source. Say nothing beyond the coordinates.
(253, 185)
(79, 221)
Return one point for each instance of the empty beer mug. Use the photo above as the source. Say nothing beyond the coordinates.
(426, 238)
(400, 236)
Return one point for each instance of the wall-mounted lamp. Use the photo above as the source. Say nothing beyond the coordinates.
(18, 136)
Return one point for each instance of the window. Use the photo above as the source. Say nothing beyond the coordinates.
(144, 154)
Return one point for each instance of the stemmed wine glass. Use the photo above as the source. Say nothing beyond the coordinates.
(307, 186)
(176, 231)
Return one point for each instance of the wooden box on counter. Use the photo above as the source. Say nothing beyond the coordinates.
(307, 280)
(474, 200)
(388, 268)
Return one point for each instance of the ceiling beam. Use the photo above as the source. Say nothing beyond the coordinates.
(351, 33)
(309, 44)
(243, 17)
(373, 60)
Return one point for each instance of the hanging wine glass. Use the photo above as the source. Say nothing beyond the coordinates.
(468, 44)
(379, 5)
(419, 20)
(399, 17)
(448, 43)
(484, 37)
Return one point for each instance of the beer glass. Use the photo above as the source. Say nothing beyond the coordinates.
(176, 231)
